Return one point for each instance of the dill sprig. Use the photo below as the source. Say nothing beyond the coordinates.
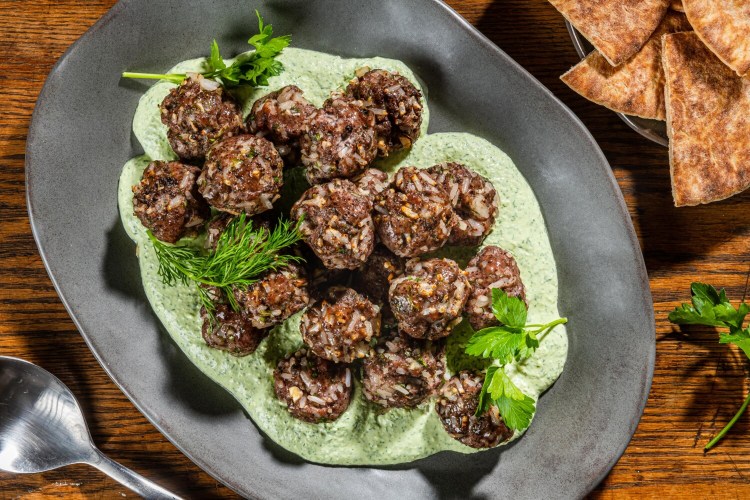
(242, 254)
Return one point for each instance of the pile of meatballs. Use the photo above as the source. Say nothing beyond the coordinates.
(372, 306)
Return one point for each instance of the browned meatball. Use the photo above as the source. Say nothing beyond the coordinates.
(242, 174)
(375, 276)
(281, 116)
(314, 390)
(198, 113)
(340, 326)
(274, 297)
(216, 226)
(340, 141)
(230, 331)
(474, 200)
(429, 298)
(402, 372)
(414, 216)
(336, 223)
(456, 404)
(493, 267)
(372, 182)
(394, 101)
(167, 200)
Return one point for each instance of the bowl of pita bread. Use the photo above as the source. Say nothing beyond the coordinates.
(678, 72)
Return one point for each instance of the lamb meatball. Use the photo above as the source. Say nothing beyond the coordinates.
(474, 200)
(340, 141)
(456, 404)
(282, 116)
(336, 224)
(340, 326)
(372, 182)
(493, 267)
(375, 276)
(414, 216)
(229, 330)
(274, 297)
(429, 298)
(314, 390)
(216, 226)
(198, 113)
(394, 101)
(167, 200)
(402, 372)
(242, 174)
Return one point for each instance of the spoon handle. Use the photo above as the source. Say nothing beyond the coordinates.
(139, 484)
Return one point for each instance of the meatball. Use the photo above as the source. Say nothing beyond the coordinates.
(402, 372)
(429, 298)
(474, 200)
(340, 141)
(493, 267)
(339, 327)
(314, 389)
(230, 331)
(336, 223)
(216, 226)
(242, 174)
(167, 200)
(198, 113)
(394, 101)
(372, 182)
(456, 404)
(274, 297)
(376, 274)
(281, 116)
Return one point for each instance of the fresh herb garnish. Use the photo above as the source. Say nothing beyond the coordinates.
(712, 308)
(513, 341)
(242, 254)
(252, 69)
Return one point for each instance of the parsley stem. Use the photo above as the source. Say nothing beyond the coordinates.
(729, 425)
(172, 77)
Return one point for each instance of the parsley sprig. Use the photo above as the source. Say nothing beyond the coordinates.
(512, 341)
(252, 69)
(710, 307)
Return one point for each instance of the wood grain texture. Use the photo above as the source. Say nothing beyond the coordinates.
(698, 384)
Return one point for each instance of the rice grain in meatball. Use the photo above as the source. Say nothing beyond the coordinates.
(429, 298)
(414, 216)
(336, 223)
(395, 103)
(167, 202)
(242, 174)
(230, 331)
(281, 116)
(314, 390)
(492, 267)
(456, 404)
(340, 142)
(372, 182)
(339, 327)
(474, 199)
(402, 372)
(375, 276)
(274, 297)
(198, 113)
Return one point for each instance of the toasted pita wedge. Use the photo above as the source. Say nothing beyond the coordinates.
(677, 5)
(708, 121)
(617, 28)
(636, 87)
(725, 27)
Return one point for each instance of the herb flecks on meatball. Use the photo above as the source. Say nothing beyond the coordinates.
(339, 327)
(474, 199)
(340, 141)
(456, 404)
(314, 390)
(198, 113)
(282, 117)
(274, 297)
(491, 268)
(167, 202)
(336, 223)
(242, 174)
(429, 298)
(414, 216)
(230, 331)
(395, 103)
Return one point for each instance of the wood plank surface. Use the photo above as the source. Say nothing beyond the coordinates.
(698, 384)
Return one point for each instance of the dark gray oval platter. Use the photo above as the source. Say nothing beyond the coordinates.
(80, 137)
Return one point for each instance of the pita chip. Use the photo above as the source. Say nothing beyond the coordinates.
(725, 27)
(617, 28)
(636, 87)
(708, 121)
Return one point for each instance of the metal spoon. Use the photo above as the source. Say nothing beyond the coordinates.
(42, 428)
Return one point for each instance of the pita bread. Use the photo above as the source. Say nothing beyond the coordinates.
(617, 28)
(635, 87)
(677, 5)
(708, 121)
(725, 27)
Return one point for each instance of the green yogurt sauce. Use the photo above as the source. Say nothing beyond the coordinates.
(364, 434)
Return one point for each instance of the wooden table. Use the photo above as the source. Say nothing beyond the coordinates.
(698, 384)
